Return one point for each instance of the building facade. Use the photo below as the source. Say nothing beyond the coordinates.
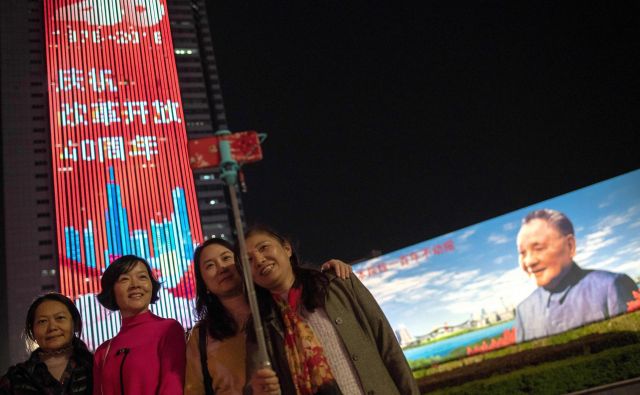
(28, 237)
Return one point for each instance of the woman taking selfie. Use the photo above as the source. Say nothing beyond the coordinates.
(323, 336)
(217, 342)
(61, 364)
(147, 356)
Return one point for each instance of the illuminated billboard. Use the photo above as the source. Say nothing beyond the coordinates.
(121, 174)
(502, 282)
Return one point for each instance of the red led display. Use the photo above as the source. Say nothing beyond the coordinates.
(121, 171)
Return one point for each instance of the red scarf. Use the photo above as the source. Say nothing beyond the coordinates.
(309, 367)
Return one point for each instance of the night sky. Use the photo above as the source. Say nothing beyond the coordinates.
(389, 125)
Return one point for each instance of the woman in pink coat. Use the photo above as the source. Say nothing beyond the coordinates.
(147, 356)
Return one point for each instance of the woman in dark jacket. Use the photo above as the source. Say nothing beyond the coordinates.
(62, 364)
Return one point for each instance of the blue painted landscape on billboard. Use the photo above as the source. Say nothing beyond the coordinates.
(445, 296)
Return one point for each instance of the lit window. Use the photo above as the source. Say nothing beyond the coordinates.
(184, 51)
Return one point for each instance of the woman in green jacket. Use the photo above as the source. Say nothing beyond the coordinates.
(323, 336)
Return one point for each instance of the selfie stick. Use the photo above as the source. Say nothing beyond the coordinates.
(229, 174)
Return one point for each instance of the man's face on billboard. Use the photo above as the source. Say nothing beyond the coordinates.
(544, 252)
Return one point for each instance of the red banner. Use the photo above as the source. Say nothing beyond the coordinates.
(245, 148)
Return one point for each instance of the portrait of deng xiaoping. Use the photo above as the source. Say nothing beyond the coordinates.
(539, 271)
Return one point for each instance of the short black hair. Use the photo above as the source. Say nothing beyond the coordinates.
(81, 353)
(56, 297)
(122, 265)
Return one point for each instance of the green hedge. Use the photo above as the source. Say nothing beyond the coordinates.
(590, 344)
(624, 323)
(572, 374)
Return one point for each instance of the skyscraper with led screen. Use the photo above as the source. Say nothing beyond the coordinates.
(104, 96)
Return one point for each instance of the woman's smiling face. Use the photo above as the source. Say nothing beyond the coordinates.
(133, 291)
(52, 325)
(219, 272)
(270, 264)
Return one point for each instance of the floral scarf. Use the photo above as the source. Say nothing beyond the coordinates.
(309, 367)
